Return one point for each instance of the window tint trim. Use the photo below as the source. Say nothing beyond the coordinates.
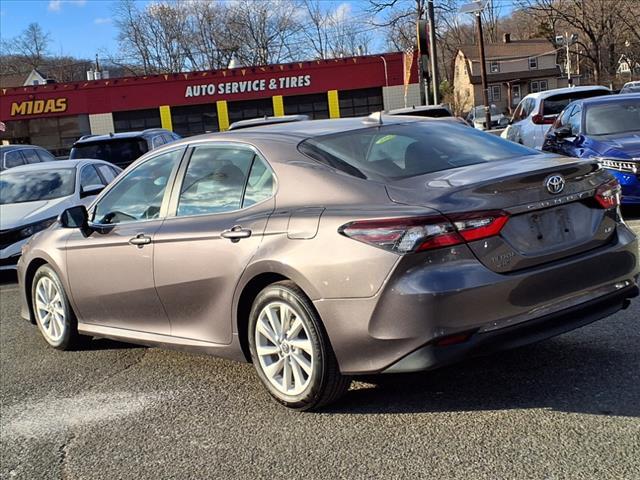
(182, 170)
(165, 198)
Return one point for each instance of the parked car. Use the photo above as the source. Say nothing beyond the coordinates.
(121, 149)
(631, 87)
(323, 249)
(17, 155)
(476, 118)
(607, 128)
(537, 111)
(32, 197)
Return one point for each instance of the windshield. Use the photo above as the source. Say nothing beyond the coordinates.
(118, 151)
(554, 104)
(479, 111)
(407, 150)
(431, 112)
(617, 117)
(20, 187)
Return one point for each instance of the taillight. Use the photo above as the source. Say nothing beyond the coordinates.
(542, 120)
(413, 234)
(608, 194)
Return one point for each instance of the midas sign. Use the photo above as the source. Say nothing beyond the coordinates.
(35, 107)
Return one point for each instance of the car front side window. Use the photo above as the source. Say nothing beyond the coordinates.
(139, 194)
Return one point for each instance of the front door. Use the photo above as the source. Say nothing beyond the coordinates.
(111, 270)
(215, 224)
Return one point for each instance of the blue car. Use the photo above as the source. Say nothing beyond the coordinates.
(607, 128)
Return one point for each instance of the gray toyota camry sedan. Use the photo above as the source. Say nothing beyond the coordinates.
(322, 250)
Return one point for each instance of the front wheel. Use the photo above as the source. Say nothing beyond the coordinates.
(54, 316)
(291, 351)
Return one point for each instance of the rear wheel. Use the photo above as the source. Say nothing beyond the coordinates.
(53, 314)
(291, 351)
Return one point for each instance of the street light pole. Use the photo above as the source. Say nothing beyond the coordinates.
(483, 73)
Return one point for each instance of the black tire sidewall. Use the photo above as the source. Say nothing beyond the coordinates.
(69, 318)
(284, 294)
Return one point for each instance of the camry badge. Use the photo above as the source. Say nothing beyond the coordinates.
(554, 184)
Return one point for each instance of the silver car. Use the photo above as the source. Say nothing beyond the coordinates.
(32, 197)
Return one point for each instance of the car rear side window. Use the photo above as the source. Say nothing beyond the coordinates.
(107, 172)
(89, 177)
(31, 156)
(13, 159)
(45, 156)
(214, 180)
(399, 151)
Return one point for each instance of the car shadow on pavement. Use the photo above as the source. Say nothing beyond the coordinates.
(559, 375)
(631, 212)
(108, 344)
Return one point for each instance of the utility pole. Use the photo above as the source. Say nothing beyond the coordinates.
(483, 72)
(566, 41)
(433, 51)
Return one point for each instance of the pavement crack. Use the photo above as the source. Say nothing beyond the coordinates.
(64, 452)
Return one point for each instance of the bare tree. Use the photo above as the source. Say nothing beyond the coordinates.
(32, 45)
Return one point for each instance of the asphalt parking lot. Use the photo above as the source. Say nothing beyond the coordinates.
(565, 408)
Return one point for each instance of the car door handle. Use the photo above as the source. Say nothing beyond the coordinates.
(140, 240)
(236, 233)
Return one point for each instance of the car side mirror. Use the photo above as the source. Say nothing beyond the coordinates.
(563, 132)
(75, 217)
(91, 190)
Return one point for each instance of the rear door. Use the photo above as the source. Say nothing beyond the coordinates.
(217, 216)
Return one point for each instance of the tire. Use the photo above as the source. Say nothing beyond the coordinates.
(55, 318)
(298, 368)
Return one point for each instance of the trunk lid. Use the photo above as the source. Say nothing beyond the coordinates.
(543, 226)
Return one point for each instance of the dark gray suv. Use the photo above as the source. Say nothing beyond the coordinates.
(121, 149)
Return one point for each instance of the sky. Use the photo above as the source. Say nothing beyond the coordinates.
(79, 28)
(82, 28)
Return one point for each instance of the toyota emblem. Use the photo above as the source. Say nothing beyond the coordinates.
(554, 184)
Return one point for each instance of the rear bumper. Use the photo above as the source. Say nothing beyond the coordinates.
(484, 343)
(448, 291)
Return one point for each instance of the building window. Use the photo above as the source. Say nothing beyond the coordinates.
(539, 86)
(248, 109)
(495, 93)
(355, 103)
(136, 120)
(190, 120)
(56, 134)
(315, 105)
(494, 67)
(533, 63)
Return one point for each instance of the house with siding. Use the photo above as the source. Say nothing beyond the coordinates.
(515, 68)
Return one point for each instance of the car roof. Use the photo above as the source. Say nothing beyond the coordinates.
(17, 146)
(57, 164)
(608, 99)
(559, 91)
(118, 136)
(304, 129)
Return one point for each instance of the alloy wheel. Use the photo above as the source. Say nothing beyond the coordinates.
(49, 308)
(284, 348)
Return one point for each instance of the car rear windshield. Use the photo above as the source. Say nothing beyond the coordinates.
(612, 118)
(431, 112)
(118, 151)
(554, 104)
(408, 150)
(20, 187)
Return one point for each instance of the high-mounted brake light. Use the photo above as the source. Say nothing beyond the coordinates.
(413, 234)
(608, 194)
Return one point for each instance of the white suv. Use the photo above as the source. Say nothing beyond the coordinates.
(537, 111)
